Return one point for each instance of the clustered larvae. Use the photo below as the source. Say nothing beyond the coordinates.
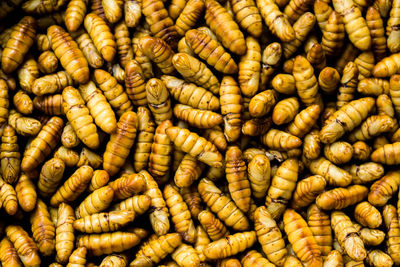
(200, 133)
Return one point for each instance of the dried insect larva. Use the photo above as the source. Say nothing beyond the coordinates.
(229, 246)
(97, 201)
(157, 249)
(8, 254)
(393, 232)
(189, 94)
(51, 83)
(180, 213)
(42, 145)
(224, 27)
(392, 28)
(159, 215)
(21, 39)
(88, 49)
(73, 186)
(282, 186)
(101, 35)
(146, 129)
(377, 30)
(373, 86)
(304, 121)
(320, 226)
(383, 189)
(347, 236)
(387, 154)
(133, 12)
(365, 63)
(306, 82)
(161, 25)
(50, 176)
(239, 185)
(340, 197)
(158, 100)
(8, 197)
(135, 83)
(249, 68)
(333, 34)
(157, 51)
(112, 10)
(312, 146)
(43, 229)
(75, 63)
(387, 66)
(270, 59)
(69, 139)
(204, 150)
(247, 16)
(334, 175)
(139, 204)
(346, 119)
(10, 158)
(75, 13)
(280, 140)
(384, 106)
(113, 91)
(213, 226)
(269, 236)
(277, 23)
(188, 171)
(228, 212)
(124, 44)
(231, 108)
(115, 260)
(328, 80)
(25, 246)
(322, 11)
(355, 24)
(284, 83)
(88, 157)
(193, 70)
(301, 237)
(42, 7)
(259, 172)
(366, 172)
(161, 150)
(285, 110)
(301, 27)
(47, 62)
(26, 193)
(127, 185)
(307, 191)
(64, 232)
(190, 14)
(28, 72)
(49, 104)
(216, 136)
(211, 51)
(98, 106)
(120, 143)
(107, 243)
(361, 151)
(348, 85)
(79, 117)
(104, 222)
(262, 103)
(367, 215)
(338, 152)
(142, 59)
(378, 258)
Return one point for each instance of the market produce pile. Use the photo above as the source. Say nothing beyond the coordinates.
(199, 133)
